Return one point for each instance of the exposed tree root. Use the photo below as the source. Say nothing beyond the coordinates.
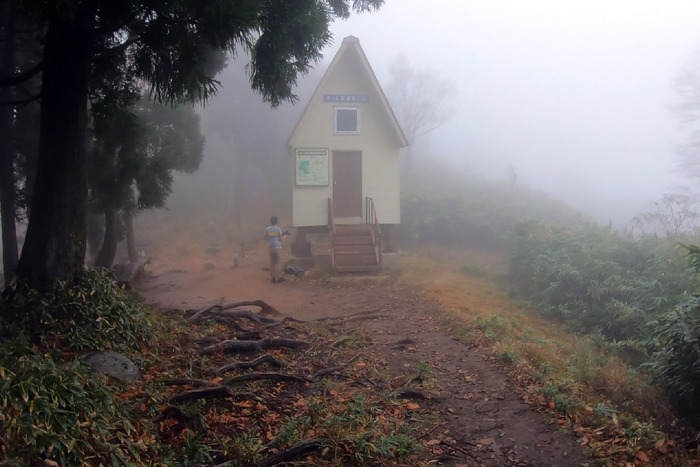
(198, 383)
(206, 393)
(242, 314)
(326, 371)
(410, 394)
(267, 376)
(216, 309)
(293, 378)
(251, 364)
(247, 346)
(299, 449)
(284, 320)
(247, 336)
(359, 316)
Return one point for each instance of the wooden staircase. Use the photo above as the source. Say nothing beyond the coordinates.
(356, 247)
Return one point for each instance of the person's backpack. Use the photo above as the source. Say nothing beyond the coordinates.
(291, 268)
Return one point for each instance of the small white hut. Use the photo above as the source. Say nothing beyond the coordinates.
(346, 162)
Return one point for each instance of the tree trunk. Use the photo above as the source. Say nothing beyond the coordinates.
(10, 251)
(56, 236)
(130, 237)
(105, 258)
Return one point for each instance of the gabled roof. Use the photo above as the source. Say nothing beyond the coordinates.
(352, 44)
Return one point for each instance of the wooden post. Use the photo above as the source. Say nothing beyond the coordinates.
(388, 234)
(301, 246)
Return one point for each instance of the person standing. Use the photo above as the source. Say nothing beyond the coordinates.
(274, 236)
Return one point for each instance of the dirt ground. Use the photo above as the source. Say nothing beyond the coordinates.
(483, 419)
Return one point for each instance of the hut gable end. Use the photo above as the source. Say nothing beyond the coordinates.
(347, 123)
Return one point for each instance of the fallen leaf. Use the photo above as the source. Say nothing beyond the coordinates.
(660, 446)
(642, 456)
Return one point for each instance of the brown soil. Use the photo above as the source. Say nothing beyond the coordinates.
(483, 419)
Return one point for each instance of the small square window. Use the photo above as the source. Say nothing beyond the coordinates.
(347, 120)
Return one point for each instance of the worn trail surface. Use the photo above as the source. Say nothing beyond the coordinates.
(482, 418)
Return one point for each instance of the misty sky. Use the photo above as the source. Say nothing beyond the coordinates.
(575, 95)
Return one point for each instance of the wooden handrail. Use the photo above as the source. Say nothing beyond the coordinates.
(331, 227)
(331, 216)
(373, 220)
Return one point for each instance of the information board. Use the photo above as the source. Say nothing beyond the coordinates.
(311, 167)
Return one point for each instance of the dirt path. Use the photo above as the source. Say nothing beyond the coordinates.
(483, 419)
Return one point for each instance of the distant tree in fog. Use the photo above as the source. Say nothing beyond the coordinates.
(247, 158)
(134, 152)
(673, 215)
(166, 46)
(420, 99)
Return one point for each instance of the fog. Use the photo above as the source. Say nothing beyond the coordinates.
(574, 96)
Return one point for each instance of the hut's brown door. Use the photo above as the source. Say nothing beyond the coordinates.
(347, 183)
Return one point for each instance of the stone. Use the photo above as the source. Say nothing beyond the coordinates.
(112, 363)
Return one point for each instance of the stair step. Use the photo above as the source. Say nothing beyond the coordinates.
(355, 229)
(355, 240)
(346, 250)
(345, 260)
(354, 249)
(357, 268)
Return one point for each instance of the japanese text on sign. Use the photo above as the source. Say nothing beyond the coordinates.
(344, 98)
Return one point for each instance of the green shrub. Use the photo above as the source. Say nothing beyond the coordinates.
(93, 314)
(676, 363)
(596, 280)
(62, 412)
